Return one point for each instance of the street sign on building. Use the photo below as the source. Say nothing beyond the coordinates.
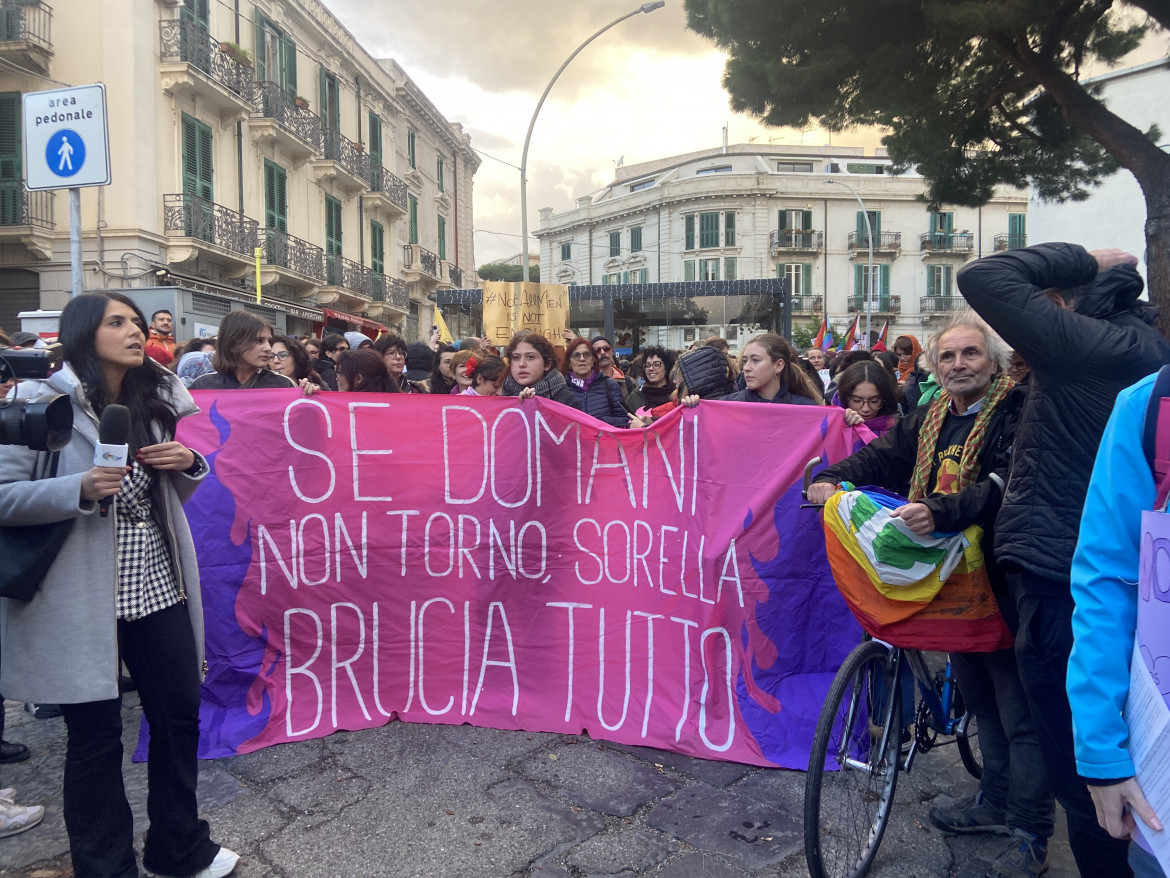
(66, 143)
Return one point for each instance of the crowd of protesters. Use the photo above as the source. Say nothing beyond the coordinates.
(994, 421)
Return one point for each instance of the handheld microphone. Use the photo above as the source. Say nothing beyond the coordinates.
(113, 448)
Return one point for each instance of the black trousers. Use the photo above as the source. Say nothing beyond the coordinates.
(1043, 645)
(160, 652)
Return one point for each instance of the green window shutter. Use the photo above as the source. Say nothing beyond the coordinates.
(949, 281)
(332, 226)
(689, 269)
(410, 149)
(690, 233)
(806, 219)
(780, 216)
(709, 229)
(730, 270)
(10, 138)
(566, 252)
(375, 140)
(442, 237)
(322, 95)
(636, 239)
(615, 243)
(377, 248)
(859, 280)
(258, 28)
(806, 276)
(412, 204)
(861, 224)
(931, 284)
(197, 162)
(932, 221)
(275, 197)
(884, 281)
(288, 65)
(625, 277)
(197, 11)
(729, 230)
(948, 220)
(439, 172)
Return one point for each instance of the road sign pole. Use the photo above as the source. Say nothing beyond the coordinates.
(75, 239)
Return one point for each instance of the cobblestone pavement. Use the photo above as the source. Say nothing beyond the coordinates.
(430, 800)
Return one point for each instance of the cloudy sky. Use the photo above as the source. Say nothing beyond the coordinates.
(645, 89)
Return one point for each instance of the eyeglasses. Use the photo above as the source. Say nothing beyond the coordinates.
(394, 355)
(280, 355)
(580, 355)
(859, 402)
(655, 365)
(602, 349)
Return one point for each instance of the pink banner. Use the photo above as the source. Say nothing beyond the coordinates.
(521, 566)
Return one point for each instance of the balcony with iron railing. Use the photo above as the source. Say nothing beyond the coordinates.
(292, 261)
(282, 121)
(947, 243)
(26, 34)
(387, 196)
(26, 218)
(195, 63)
(390, 295)
(807, 304)
(420, 265)
(803, 240)
(201, 227)
(878, 304)
(940, 305)
(349, 282)
(455, 273)
(886, 243)
(343, 163)
(1010, 241)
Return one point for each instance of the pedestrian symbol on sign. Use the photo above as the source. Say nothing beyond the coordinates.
(65, 152)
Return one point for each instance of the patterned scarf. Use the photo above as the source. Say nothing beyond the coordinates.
(546, 386)
(928, 437)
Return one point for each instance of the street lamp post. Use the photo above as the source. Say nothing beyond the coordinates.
(645, 7)
(869, 270)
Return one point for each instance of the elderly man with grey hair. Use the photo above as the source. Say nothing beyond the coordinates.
(1077, 319)
(953, 453)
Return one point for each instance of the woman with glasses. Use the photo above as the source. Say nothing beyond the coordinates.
(657, 364)
(392, 349)
(291, 360)
(243, 348)
(869, 396)
(599, 395)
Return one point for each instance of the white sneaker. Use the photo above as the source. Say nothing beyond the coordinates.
(223, 864)
(16, 818)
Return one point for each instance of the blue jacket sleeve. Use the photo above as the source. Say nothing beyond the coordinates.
(1105, 589)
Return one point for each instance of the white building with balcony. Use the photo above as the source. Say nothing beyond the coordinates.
(751, 211)
(235, 127)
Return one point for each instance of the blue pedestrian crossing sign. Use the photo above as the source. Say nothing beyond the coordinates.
(66, 143)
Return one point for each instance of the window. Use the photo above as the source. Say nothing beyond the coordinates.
(708, 230)
(875, 220)
(857, 168)
(798, 275)
(442, 237)
(412, 212)
(942, 228)
(795, 220)
(375, 142)
(330, 97)
(940, 280)
(566, 251)
(708, 269)
(333, 273)
(198, 12)
(794, 167)
(377, 248)
(729, 229)
(881, 282)
(690, 233)
(636, 239)
(640, 185)
(611, 279)
(197, 171)
(275, 197)
(689, 269)
(722, 169)
(730, 269)
(411, 148)
(439, 173)
(615, 243)
(11, 170)
(276, 55)
(639, 276)
(1017, 230)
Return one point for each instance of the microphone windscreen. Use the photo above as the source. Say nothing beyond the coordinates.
(114, 428)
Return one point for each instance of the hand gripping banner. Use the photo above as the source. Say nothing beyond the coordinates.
(366, 557)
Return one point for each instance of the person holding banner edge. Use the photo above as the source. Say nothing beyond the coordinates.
(533, 366)
(124, 585)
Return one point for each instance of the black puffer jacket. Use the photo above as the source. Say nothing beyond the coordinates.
(704, 372)
(602, 400)
(1080, 360)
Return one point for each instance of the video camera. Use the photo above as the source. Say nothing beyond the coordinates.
(41, 426)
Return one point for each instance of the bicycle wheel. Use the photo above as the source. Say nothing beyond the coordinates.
(967, 738)
(849, 789)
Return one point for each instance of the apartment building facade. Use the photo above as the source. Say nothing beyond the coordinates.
(749, 212)
(237, 128)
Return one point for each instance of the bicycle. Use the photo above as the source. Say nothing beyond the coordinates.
(857, 749)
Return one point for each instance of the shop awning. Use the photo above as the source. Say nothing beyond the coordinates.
(363, 322)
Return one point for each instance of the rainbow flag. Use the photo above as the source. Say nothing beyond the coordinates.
(850, 337)
(882, 335)
(824, 336)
